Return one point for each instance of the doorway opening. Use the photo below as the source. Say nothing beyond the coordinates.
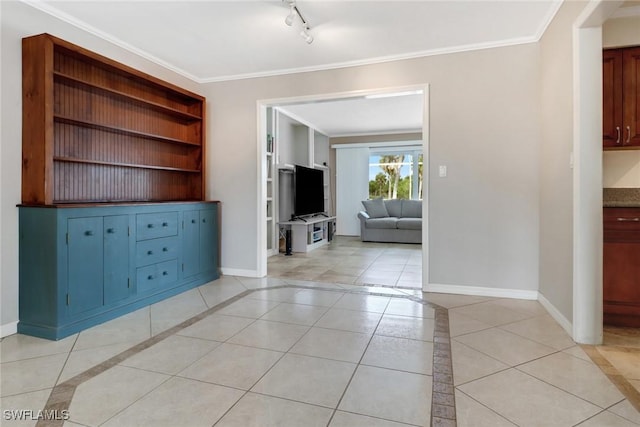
(272, 164)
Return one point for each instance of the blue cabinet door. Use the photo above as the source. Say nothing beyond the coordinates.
(208, 240)
(116, 258)
(191, 243)
(85, 264)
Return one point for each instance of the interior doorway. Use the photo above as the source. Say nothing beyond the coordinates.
(265, 193)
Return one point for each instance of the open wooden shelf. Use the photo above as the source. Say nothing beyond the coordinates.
(115, 129)
(64, 78)
(98, 131)
(125, 165)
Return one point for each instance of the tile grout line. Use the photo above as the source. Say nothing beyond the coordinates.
(62, 394)
(625, 387)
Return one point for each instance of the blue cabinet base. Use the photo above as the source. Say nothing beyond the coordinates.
(83, 266)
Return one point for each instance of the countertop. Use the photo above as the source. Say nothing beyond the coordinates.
(621, 197)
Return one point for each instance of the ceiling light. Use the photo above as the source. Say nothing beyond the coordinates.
(305, 34)
(293, 12)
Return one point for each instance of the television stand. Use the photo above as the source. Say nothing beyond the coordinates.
(310, 233)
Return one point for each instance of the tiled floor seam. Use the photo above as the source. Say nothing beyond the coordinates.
(62, 394)
(626, 388)
(443, 403)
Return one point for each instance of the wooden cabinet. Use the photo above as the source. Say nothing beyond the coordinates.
(621, 266)
(621, 98)
(80, 266)
(95, 130)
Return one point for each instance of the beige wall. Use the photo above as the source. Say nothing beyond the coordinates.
(621, 169)
(484, 126)
(621, 32)
(556, 190)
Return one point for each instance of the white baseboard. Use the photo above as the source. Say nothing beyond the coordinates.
(557, 316)
(482, 291)
(8, 329)
(239, 272)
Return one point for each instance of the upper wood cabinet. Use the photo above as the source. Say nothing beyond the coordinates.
(95, 130)
(621, 98)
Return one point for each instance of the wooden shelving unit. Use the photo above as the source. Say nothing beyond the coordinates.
(95, 130)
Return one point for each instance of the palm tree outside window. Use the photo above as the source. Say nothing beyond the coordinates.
(396, 175)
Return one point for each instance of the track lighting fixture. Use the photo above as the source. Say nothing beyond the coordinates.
(305, 34)
(293, 12)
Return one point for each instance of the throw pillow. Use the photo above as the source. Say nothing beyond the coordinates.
(375, 208)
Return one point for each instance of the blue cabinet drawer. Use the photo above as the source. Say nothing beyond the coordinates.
(154, 225)
(157, 276)
(156, 250)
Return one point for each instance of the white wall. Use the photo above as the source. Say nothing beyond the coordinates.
(19, 20)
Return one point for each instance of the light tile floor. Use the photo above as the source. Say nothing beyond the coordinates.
(285, 351)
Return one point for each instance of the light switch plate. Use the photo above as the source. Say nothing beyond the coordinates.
(442, 171)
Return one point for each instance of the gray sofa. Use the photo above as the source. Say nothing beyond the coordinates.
(391, 221)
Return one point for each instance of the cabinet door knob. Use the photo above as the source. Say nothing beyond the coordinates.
(149, 225)
(111, 230)
(618, 134)
(165, 249)
(149, 252)
(149, 277)
(165, 224)
(164, 273)
(88, 233)
(193, 221)
(204, 220)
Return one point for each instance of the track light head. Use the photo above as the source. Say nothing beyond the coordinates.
(305, 34)
(292, 14)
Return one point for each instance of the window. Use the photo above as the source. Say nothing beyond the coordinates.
(395, 175)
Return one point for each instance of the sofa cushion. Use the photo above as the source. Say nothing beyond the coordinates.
(388, 222)
(375, 208)
(409, 223)
(394, 207)
(411, 209)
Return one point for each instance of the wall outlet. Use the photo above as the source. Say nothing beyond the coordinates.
(442, 171)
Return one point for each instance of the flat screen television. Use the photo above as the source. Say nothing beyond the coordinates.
(308, 194)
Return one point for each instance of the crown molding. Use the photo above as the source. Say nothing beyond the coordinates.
(47, 8)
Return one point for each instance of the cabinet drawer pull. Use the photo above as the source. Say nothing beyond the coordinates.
(150, 277)
(110, 231)
(149, 252)
(629, 219)
(628, 134)
(149, 225)
(618, 133)
(165, 249)
(88, 233)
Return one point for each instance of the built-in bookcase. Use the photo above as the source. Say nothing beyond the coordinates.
(95, 130)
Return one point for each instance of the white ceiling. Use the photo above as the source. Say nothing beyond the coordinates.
(218, 40)
(361, 116)
(214, 40)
